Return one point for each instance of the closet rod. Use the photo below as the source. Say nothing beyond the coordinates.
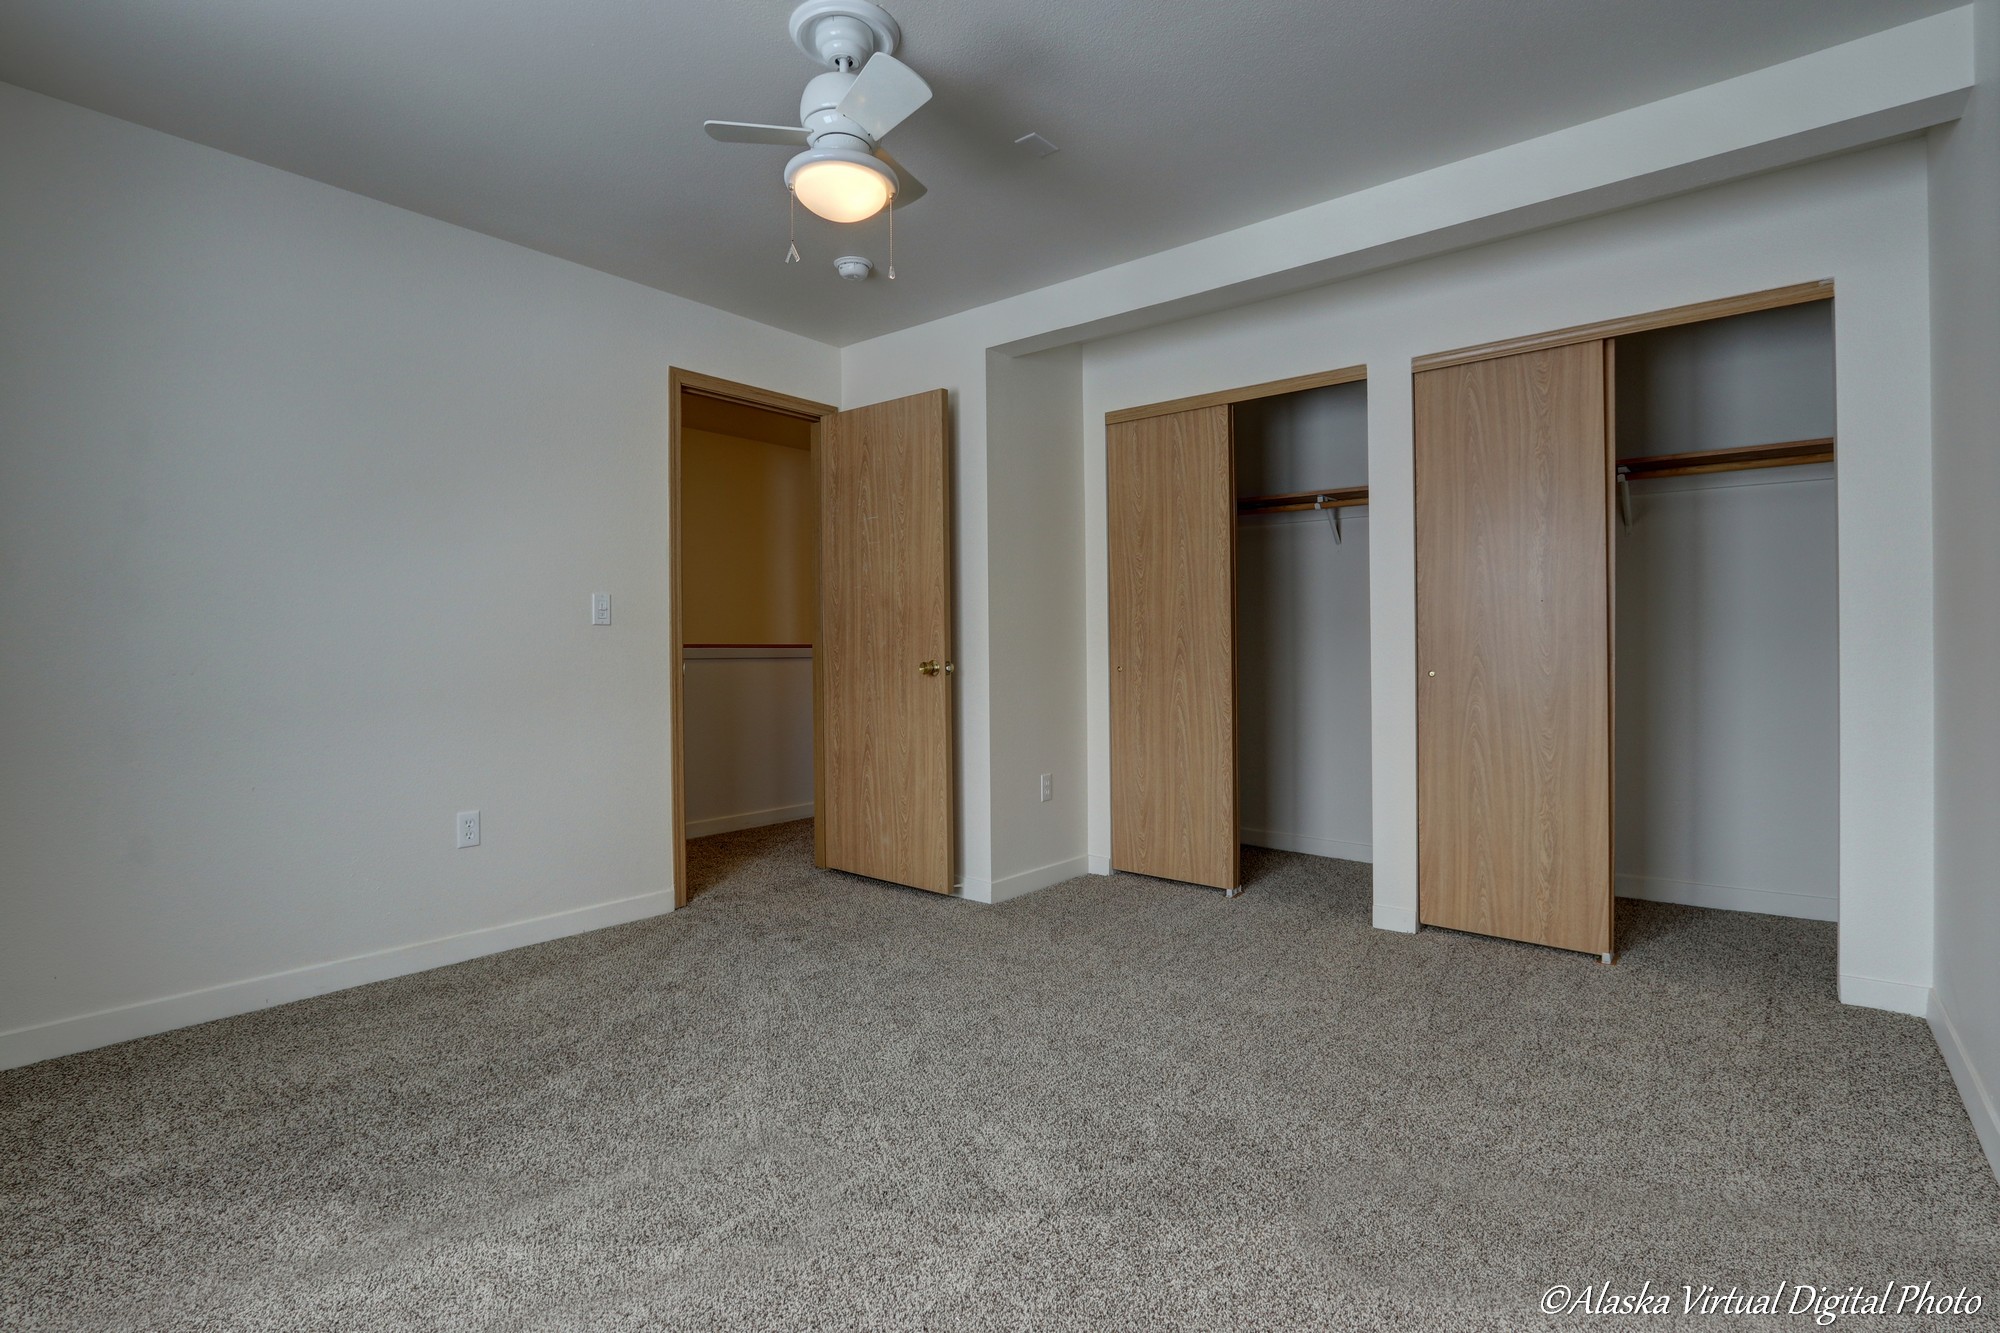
(1790, 453)
(1333, 497)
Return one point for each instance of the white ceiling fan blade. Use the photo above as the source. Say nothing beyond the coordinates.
(883, 95)
(735, 131)
(908, 188)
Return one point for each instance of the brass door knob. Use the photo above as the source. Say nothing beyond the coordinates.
(927, 667)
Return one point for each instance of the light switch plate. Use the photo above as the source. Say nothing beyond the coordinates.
(600, 608)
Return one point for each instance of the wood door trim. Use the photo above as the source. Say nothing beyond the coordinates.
(1611, 647)
(709, 386)
(681, 381)
(1700, 311)
(819, 637)
(1248, 393)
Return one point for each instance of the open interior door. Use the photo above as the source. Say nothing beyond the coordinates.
(884, 786)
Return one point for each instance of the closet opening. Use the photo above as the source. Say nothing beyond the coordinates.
(1303, 734)
(746, 611)
(1726, 661)
(1627, 599)
(1238, 542)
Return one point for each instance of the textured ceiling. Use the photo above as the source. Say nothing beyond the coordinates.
(575, 128)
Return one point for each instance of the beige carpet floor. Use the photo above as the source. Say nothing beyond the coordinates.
(813, 1101)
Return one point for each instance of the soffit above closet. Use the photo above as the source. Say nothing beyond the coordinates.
(576, 129)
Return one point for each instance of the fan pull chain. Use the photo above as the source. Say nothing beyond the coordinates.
(792, 252)
(892, 238)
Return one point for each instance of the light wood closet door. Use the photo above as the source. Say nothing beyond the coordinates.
(1513, 473)
(1172, 498)
(885, 802)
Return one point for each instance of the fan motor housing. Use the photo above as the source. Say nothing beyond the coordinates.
(842, 34)
(816, 107)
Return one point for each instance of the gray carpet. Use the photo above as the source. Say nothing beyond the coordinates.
(814, 1101)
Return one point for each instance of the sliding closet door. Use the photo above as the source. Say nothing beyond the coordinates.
(1513, 470)
(1172, 498)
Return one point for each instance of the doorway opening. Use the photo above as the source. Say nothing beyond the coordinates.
(1303, 741)
(1727, 666)
(745, 611)
(1239, 628)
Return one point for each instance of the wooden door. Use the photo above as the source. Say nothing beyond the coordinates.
(884, 799)
(1513, 474)
(1171, 491)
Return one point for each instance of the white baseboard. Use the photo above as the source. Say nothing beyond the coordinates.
(1023, 882)
(66, 1036)
(1299, 842)
(1283, 842)
(784, 814)
(1027, 881)
(1898, 997)
(1980, 1102)
(1399, 917)
(1770, 902)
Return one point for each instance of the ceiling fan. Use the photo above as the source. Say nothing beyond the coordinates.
(843, 175)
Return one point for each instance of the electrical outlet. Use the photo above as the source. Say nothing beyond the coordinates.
(600, 608)
(468, 828)
(1048, 786)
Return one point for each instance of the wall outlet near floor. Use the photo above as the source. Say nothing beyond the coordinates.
(600, 608)
(1048, 785)
(468, 828)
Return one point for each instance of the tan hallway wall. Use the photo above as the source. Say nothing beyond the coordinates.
(747, 496)
(747, 504)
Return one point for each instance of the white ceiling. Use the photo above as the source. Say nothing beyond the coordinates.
(575, 127)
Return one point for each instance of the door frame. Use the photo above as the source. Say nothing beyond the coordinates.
(1230, 398)
(681, 381)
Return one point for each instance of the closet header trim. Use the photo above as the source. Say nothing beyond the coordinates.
(1799, 294)
(1248, 393)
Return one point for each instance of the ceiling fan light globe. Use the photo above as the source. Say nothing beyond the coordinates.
(840, 186)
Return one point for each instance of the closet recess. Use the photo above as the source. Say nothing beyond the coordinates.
(1521, 490)
(1203, 663)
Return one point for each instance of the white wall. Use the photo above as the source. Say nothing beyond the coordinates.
(1035, 623)
(1965, 296)
(1728, 755)
(747, 754)
(1303, 714)
(302, 498)
(1858, 220)
(1728, 744)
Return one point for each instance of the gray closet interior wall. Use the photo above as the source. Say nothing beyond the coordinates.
(1302, 628)
(1727, 757)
